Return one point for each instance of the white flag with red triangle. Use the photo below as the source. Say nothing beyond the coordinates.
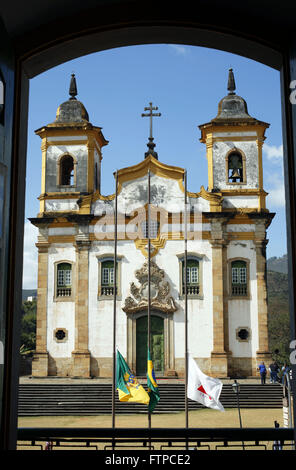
(206, 390)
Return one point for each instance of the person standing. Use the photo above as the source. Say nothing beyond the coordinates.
(274, 368)
(262, 370)
(284, 371)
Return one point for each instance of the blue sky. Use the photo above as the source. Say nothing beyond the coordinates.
(186, 83)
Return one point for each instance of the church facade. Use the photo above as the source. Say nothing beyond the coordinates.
(225, 227)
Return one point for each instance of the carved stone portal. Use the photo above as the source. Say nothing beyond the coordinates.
(159, 291)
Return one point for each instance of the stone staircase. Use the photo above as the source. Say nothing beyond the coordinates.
(96, 399)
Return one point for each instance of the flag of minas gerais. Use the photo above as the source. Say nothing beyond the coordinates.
(202, 388)
(127, 384)
(152, 385)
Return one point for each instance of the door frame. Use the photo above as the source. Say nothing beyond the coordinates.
(168, 339)
(145, 317)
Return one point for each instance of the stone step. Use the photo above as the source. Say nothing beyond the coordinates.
(79, 399)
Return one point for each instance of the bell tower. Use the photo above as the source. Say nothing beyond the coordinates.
(71, 155)
(234, 143)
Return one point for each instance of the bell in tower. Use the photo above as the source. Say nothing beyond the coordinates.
(235, 167)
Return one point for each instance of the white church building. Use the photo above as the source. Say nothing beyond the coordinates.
(226, 252)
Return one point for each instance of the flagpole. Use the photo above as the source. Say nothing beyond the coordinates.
(114, 303)
(185, 298)
(149, 275)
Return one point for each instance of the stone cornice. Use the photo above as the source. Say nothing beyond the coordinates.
(41, 221)
(80, 219)
(265, 217)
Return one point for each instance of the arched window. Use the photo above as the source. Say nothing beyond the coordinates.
(67, 171)
(239, 278)
(64, 280)
(235, 168)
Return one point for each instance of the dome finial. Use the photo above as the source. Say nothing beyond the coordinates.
(231, 83)
(73, 87)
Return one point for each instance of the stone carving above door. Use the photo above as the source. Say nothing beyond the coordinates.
(160, 298)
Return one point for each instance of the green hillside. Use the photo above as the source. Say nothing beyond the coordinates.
(278, 315)
(279, 265)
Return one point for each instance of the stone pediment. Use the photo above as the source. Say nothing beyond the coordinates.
(160, 298)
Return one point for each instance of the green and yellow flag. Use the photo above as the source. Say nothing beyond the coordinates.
(152, 385)
(127, 384)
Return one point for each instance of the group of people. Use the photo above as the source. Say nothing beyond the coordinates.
(276, 374)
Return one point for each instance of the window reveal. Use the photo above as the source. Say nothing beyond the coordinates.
(67, 171)
(235, 168)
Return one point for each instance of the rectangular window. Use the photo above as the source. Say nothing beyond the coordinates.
(61, 278)
(239, 275)
(153, 228)
(111, 276)
(194, 275)
(235, 275)
(64, 278)
(67, 278)
(105, 276)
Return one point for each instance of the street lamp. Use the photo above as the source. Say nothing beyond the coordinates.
(236, 389)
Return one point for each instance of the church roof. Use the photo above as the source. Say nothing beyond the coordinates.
(72, 115)
(72, 112)
(233, 109)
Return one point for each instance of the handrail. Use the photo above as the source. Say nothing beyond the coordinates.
(221, 434)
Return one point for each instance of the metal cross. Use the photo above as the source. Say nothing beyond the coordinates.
(151, 115)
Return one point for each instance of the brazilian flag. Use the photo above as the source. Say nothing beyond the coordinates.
(152, 385)
(127, 384)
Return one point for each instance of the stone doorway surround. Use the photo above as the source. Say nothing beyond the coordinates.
(169, 343)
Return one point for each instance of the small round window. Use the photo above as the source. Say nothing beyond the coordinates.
(243, 334)
(60, 335)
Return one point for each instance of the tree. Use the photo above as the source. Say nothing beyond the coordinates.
(28, 326)
(278, 316)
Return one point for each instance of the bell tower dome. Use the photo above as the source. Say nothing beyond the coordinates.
(234, 141)
(71, 154)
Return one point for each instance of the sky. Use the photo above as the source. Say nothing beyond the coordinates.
(185, 83)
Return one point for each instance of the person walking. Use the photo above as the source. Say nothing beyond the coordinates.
(262, 370)
(285, 370)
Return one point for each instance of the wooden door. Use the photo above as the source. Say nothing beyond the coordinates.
(157, 344)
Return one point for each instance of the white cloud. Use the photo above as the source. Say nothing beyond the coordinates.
(180, 50)
(273, 153)
(30, 265)
(276, 190)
